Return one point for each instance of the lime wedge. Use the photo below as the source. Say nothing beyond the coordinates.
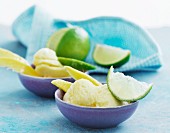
(17, 66)
(108, 55)
(8, 54)
(77, 64)
(126, 88)
(80, 75)
(62, 84)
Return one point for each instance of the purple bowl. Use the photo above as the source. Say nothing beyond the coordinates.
(94, 117)
(40, 86)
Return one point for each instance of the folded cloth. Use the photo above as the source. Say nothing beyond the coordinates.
(35, 26)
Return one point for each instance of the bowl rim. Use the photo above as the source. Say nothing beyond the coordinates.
(36, 77)
(92, 108)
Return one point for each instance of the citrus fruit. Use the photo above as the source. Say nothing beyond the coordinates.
(126, 88)
(17, 66)
(77, 64)
(62, 84)
(76, 74)
(70, 42)
(108, 55)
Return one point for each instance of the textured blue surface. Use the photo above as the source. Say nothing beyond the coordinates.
(34, 26)
(22, 112)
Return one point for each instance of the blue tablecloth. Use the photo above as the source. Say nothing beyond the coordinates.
(22, 111)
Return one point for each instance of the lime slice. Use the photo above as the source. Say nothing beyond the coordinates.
(8, 54)
(71, 42)
(108, 55)
(126, 88)
(17, 66)
(62, 84)
(80, 75)
(77, 64)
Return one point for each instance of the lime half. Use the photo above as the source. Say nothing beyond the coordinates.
(110, 56)
(77, 64)
(80, 75)
(70, 42)
(126, 88)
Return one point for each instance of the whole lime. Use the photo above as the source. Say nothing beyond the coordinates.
(70, 42)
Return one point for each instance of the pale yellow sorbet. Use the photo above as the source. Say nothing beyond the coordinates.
(47, 64)
(104, 98)
(83, 93)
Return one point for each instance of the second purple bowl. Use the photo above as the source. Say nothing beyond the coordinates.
(40, 86)
(94, 117)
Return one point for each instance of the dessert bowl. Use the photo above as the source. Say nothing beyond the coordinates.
(92, 117)
(40, 86)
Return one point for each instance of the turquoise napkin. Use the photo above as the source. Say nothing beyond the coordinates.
(34, 26)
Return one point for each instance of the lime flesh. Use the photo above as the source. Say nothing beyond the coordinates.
(55, 38)
(108, 55)
(126, 88)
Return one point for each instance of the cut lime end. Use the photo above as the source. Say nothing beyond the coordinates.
(126, 88)
(55, 38)
(77, 64)
(80, 75)
(62, 84)
(110, 56)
